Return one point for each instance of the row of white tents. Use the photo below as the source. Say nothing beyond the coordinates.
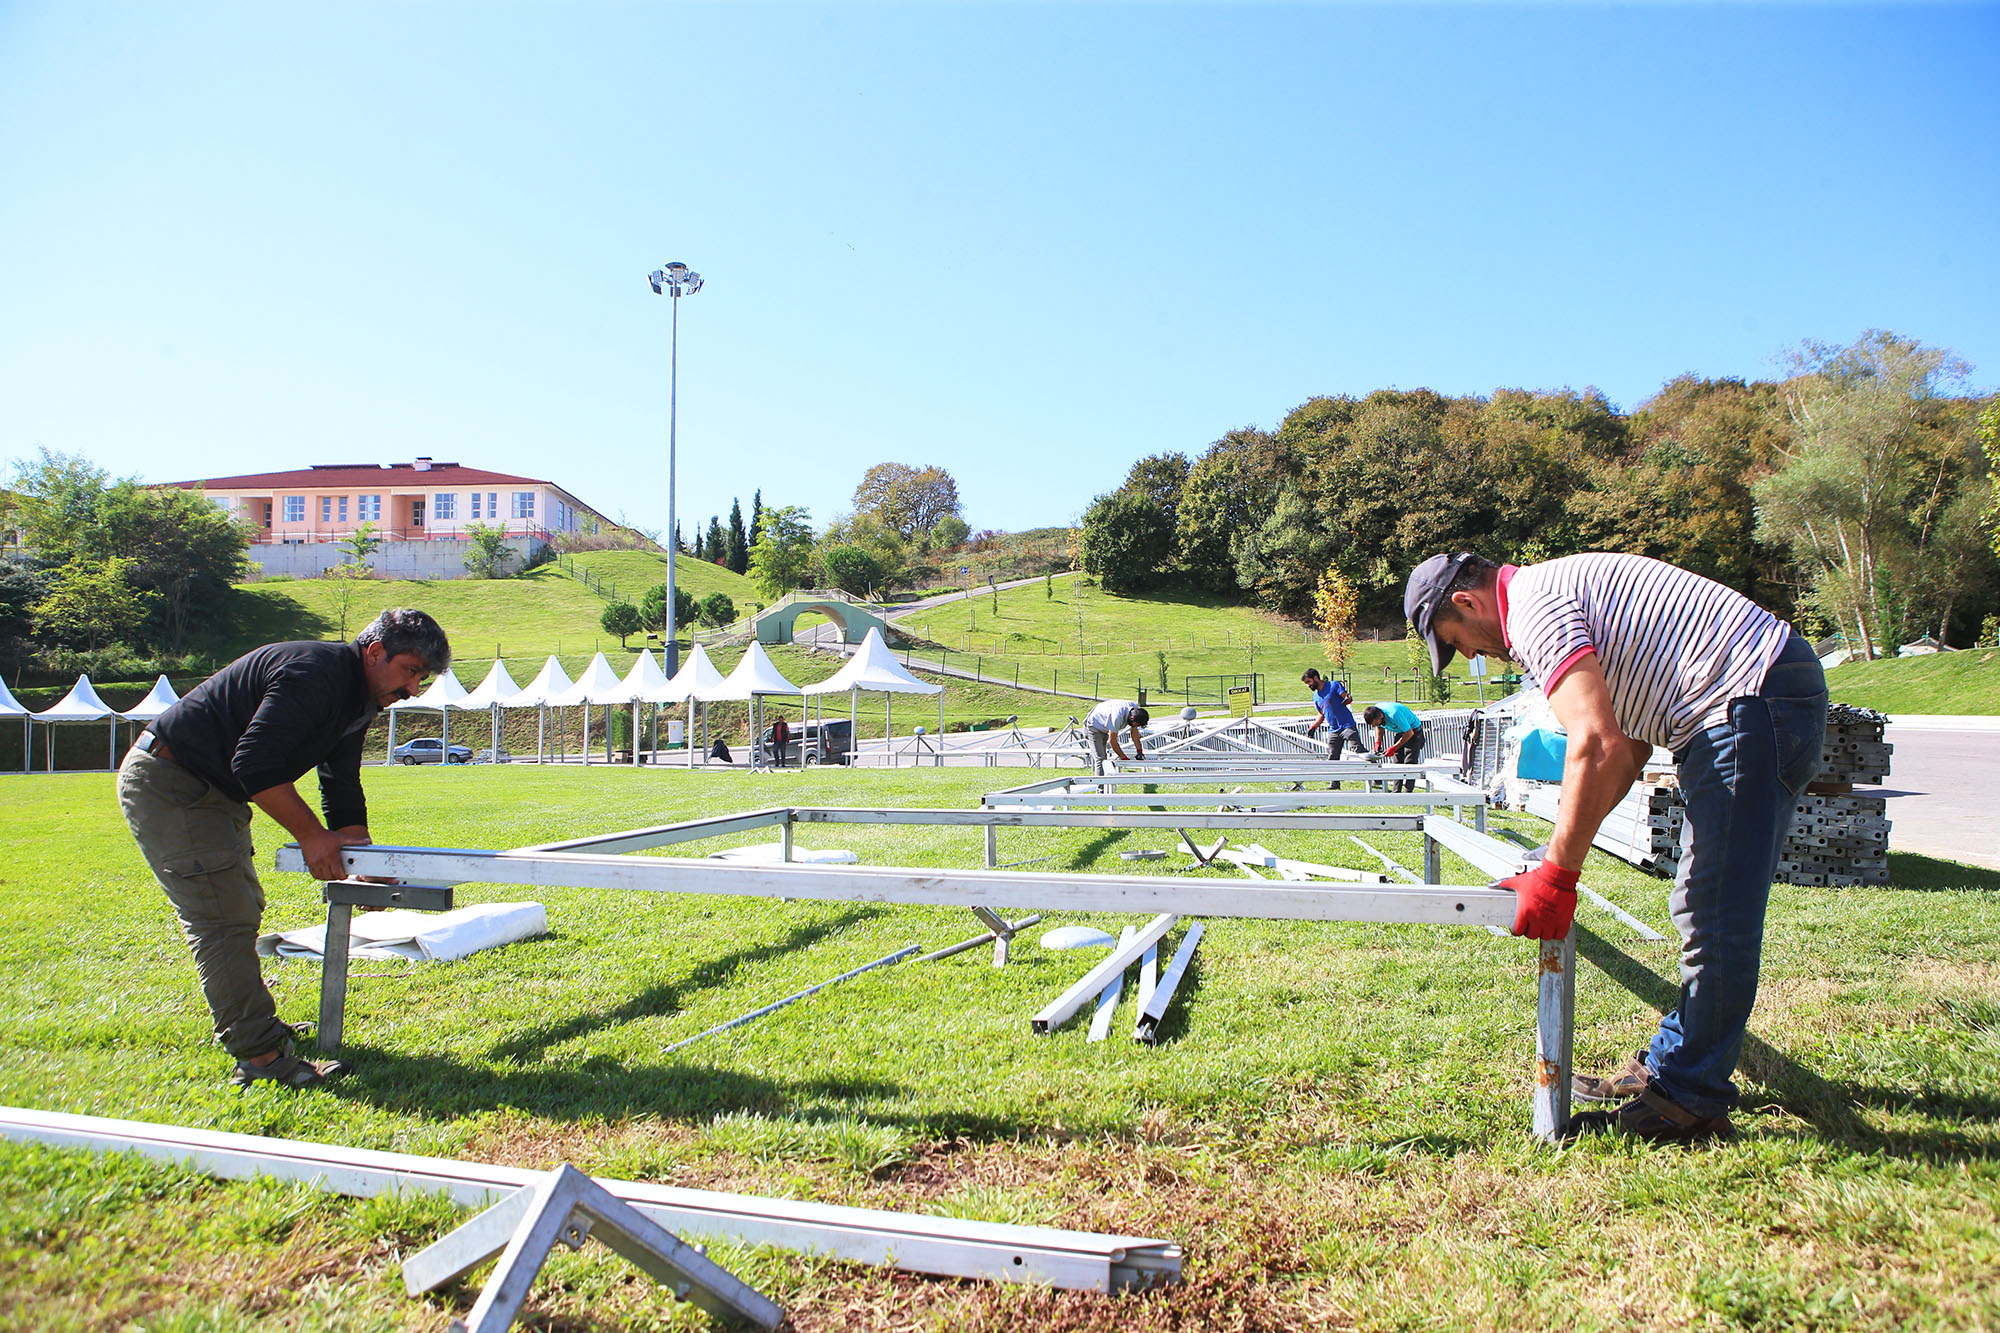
(873, 669)
(82, 704)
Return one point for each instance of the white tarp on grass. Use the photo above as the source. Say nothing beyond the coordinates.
(420, 937)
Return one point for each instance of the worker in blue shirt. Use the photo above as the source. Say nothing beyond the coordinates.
(1334, 709)
(1399, 737)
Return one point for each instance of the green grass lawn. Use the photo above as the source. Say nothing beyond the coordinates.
(1336, 1128)
(1962, 682)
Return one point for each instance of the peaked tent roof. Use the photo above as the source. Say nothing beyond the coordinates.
(873, 667)
(81, 704)
(754, 675)
(497, 688)
(157, 701)
(9, 705)
(445, 692)
(599, 684)
(645, 683)
(697, 679)
(552, 681)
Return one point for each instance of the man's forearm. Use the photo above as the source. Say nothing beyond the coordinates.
(1597, 772)
(284, 804)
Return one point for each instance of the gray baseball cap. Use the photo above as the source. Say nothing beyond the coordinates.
(1422, 596)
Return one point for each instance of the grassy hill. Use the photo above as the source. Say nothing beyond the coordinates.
(630, 573)
(1051, 632)
(1964, 682)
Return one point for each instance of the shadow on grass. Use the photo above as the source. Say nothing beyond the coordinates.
(1828, 1107)
(666, 998)
(1928, 874)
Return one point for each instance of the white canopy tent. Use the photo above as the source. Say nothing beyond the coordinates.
(599, 684)
(81, 704)
(696, 682)
(755, 676)
(551, 681)
(157, 701)
(874, 668)
(645, 683)
(490, 696)
(12, 707)
(444, 695)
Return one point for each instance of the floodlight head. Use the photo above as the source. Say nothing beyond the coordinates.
(674, 280)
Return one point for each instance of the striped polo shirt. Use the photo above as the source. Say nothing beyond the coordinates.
(1674, 647)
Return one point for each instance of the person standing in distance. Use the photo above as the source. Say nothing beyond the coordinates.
(1105, 721)
(244, 737)
(1635, 653)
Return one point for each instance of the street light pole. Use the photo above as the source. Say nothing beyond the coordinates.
(675, 280)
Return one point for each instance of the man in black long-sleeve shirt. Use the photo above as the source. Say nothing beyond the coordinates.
(244, 737)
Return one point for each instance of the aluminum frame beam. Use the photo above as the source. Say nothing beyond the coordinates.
(1147, 1028)
(940, 1246)
(1266, 802)
(1426, 905)
(1061, 1009)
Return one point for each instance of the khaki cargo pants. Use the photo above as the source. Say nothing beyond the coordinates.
(197, 842)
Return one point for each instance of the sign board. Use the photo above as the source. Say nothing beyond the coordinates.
(1242, 700)
(1477, 666)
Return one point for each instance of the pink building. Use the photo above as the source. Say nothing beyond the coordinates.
(419, 501)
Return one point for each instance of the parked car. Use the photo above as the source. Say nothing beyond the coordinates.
(825, 742)
(500, 756)
(431, 750)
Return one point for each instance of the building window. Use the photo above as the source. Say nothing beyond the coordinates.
(492, 504)
(267, 513)
(343, 509)
(416, 513)
(295, 509)
(475, 504)
(524, 504)
(325, 511)
(444, 506)
(368, 508)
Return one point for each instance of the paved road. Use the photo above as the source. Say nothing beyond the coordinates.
(1944, 791)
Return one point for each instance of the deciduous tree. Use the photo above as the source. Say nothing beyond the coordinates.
(908, 499)
(783, 552)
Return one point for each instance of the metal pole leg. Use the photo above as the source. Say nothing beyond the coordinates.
(1555, 1027)
(992, 847)
(333, 976)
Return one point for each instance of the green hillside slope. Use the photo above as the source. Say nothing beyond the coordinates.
(1967, 682)
(1036, 631)
(632, 572)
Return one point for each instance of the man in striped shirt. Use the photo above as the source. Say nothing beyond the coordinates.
(1634, 653)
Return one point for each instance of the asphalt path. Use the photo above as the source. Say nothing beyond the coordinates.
(1944, 789)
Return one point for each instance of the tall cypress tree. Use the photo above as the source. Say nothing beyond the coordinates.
(739, 544)
(717, 545)
(756, 515)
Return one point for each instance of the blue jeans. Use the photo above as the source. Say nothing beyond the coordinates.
(1741, 781)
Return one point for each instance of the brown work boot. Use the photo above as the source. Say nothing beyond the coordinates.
(1654, 1116)
(289, 1070)
(1626, 1083)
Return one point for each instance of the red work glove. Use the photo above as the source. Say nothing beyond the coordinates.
(1545, 900)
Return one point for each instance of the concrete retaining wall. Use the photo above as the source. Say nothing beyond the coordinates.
(442, 559)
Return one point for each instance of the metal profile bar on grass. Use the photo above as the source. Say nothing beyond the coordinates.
(1107, 999)
(795, 996)
(567, 1206)
(941, 1246)
(1147, 1029)
(1266, 802)
(1064, 1006)
(963, 946)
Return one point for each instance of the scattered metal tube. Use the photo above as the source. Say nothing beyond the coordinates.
(776, 1005)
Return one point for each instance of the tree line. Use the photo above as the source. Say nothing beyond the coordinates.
(1856, 495)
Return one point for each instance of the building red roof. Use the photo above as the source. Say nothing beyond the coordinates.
(361, 476)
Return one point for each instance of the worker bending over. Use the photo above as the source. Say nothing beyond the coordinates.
(1632, 654)
(1105, 721)
(1399, 738)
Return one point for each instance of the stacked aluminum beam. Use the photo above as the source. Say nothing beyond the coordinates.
(1837, 838)
(1644, 828)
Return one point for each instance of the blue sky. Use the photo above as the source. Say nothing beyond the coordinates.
(1031, 243)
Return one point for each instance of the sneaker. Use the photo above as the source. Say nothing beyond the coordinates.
(290, 1071)
(1655, 1116)
(1627, 1083)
